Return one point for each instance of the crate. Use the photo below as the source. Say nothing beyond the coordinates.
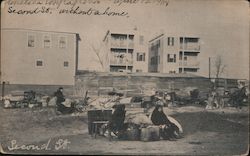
(97, 115)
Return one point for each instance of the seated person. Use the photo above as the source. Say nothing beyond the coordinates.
(60, 98)
(168, 130)
(116, 125)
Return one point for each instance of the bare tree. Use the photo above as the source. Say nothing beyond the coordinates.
(101, 54)
(219, 66)
(98, 54)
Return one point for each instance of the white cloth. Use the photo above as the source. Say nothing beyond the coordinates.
(174, 121)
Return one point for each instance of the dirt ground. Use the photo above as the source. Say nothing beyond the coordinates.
(214, 132)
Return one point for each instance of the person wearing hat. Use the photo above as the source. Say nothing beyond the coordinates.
(60, 98)
(168, 130)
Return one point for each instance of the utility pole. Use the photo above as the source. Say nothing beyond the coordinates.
(3, 89)
(209, 67)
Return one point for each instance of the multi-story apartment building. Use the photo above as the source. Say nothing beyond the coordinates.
(169, 54)
(38, 57)
(127, 52)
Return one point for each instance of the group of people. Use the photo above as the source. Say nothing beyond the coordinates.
(216, 98)
(168, 130)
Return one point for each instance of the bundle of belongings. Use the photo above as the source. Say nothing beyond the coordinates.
(139, 126)
(103, 102)
(22, 99)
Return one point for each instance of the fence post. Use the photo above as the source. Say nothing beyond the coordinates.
(3, 90)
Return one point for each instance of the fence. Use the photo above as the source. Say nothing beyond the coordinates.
(134, 83)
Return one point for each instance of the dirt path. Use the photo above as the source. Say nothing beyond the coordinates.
(205, 132)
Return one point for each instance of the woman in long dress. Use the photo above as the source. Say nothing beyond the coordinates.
(168, 130)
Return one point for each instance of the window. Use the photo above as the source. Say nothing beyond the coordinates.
(31, 41)
(154, 60)
(141, 40)
(170, 41)
(138, 70)
(47, 41)
(131, 37)
(158, 44)
(171, 57)
(172, 71)
(62, 42)
(140, 57)
(39, 63)
(65, 63)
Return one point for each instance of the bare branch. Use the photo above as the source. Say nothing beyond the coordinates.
(219, 66)
(101, 59)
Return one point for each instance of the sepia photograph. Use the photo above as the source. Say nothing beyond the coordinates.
(124, 77)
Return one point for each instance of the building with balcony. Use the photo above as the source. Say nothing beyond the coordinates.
(127, 52)
(171, 54)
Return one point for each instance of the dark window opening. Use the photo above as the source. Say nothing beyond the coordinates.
(39, 63)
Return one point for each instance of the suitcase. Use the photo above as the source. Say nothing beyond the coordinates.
(150, 133)
(132, 134)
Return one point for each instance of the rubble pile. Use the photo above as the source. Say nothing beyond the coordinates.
(139, 119)
(103, 102)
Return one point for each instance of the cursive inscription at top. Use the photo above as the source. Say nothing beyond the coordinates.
(76, 7)
(75, 11)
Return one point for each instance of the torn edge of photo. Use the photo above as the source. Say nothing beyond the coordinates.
(136, 77)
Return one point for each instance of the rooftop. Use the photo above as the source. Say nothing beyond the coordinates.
(185, 36)
(23, 29)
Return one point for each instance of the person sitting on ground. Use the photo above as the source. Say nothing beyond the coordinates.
(116, 124)
(168, 130)
(241, 95)
(60, 98)
(212, 101)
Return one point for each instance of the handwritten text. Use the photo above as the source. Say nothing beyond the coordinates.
(60, 144)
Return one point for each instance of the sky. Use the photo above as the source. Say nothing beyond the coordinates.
(222, 25)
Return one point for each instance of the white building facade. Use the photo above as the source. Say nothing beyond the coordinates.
(171, 54)
(127, 52)
(38, 57)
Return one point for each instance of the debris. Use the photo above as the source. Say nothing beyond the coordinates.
(67, 102)
(139, 119)
(52, 101)
(104, 102)
(7, 103)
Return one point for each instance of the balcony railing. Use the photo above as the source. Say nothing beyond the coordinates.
(122, 44)
(121, 59)
(119, 44)
(189, 64)
(193, 47)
